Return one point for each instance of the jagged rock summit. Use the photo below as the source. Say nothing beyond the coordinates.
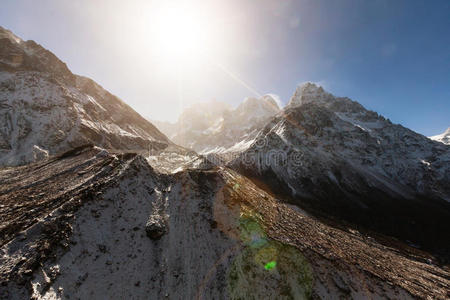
(331, 155)
(309, 92)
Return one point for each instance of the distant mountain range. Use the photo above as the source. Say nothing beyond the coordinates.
(215, 127)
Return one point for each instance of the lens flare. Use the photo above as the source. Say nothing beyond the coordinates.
(270, 265)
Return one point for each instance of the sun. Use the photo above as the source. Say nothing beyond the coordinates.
(182, 34)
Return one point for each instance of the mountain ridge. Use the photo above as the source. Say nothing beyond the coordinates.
(332, 156)
(45, 108)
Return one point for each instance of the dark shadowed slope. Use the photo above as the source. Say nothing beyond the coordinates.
(332, 156)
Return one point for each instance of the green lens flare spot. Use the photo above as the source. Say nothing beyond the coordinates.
(236, 187)
(270, 265)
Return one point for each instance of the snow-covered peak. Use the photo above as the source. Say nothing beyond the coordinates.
(443, 137)
(216, 127)
(257, 108)
(270, 98)
(309, 92)
(210, 109)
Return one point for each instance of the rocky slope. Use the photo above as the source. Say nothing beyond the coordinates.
(332, 156)
(96, 224)
(214, 127)
(45, 109)
(443, 137)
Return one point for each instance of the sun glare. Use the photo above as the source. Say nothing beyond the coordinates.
(182, 35)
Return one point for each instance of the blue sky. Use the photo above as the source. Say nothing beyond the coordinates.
(391, 56)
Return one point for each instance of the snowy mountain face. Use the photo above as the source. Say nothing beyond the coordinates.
(92, 224)
(45, 109)
(332, 156)
(443, 137)
(215, 127)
